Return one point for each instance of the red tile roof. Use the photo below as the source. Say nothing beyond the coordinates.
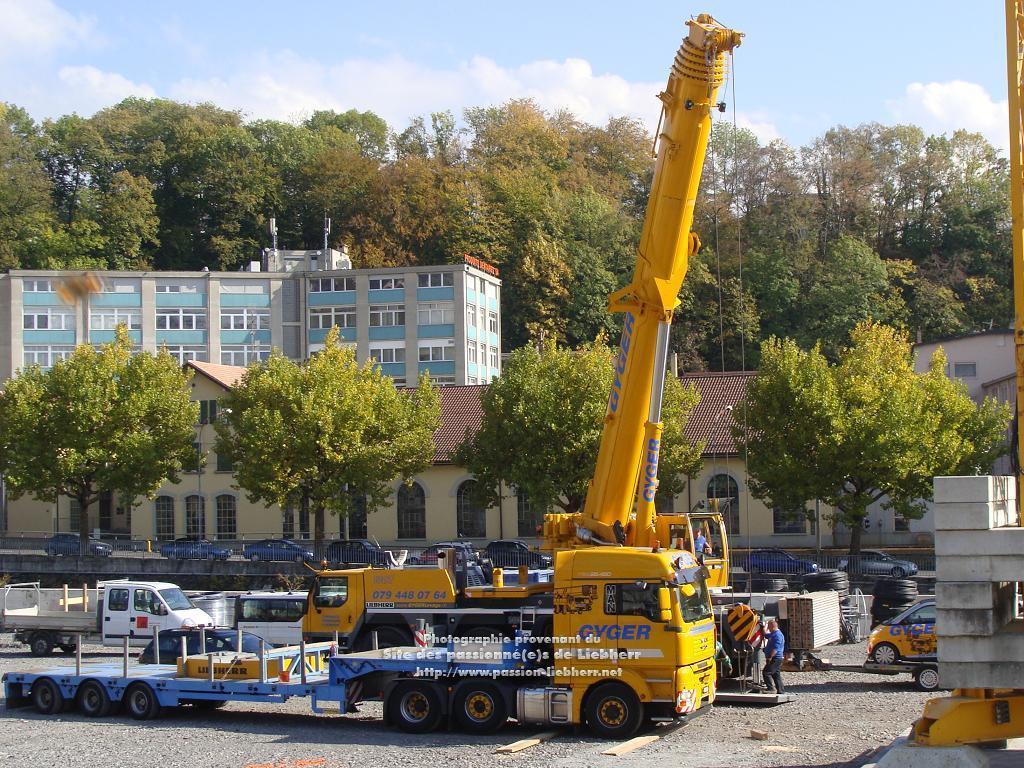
(711, 420)
(225, 375)
(460, 412)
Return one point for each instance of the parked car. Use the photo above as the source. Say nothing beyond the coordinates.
(872, 562)
(775, 560)
(509, 553)
(190, 548)
(71, 544)
(217, 640)
(356, 552)
(463, 550)
(278, 549)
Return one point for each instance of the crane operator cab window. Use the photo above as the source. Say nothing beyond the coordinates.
(331, 592)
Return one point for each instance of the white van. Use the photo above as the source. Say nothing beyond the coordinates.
(274, 616)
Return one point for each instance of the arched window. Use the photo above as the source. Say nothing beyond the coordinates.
(726, 490)
(412, 512)
(356, 520)
(470, 518)
(195, 516)
(528, 518)
(288, 522)
(227, 517)
(164, 517)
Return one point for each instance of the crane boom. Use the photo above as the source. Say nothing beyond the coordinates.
(626, 476)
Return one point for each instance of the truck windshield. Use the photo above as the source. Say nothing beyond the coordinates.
(697, 606)
(175, 599)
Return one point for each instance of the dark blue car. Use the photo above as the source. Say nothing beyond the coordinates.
(188, 548)
(278, 549)
(775, 560)
(71, 544)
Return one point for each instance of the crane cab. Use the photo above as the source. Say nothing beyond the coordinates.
(679, 531)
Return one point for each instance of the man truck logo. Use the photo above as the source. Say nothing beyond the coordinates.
(620, 362)
(651, 470)
(616, 631)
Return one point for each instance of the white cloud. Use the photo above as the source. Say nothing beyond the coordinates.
(954, 105)
(762, 127)
(94, 89)
(37, 27)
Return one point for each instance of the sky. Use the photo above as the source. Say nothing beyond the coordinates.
(803, 67)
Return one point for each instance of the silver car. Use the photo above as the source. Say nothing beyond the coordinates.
(873, 562)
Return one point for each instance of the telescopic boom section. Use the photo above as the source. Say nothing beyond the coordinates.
(620, 501)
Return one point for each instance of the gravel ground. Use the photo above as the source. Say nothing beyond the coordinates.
(837, 718)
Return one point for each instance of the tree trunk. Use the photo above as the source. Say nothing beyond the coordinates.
(83, 524)
(856, 532)
(318, 525)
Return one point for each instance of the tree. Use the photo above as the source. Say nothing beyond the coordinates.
(863, 430)
(314, 433)
(102, 420)
(542, 424)
(25, 203)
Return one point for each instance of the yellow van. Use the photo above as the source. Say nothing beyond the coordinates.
(910, 636)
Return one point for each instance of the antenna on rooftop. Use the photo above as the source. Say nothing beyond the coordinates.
(327, 232)
(273, 232)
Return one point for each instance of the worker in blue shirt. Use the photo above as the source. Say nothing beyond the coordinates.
(774, 651)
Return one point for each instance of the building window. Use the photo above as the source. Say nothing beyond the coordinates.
(382, 315)
(471, 316)
(244, 319)
(250, 287)
(48, 319)
(227, 527)
(433, 353)
(412, 512)
(492, 357)
(436, 280)
(386, 283)
(287, 522)
(108, 319)
(45, 355)
(783, 522)
(207, 411)
(356, 520)
(224, 463)
(900, 524)
(527, 518)
(470, 517)
(329, 284)
(243, 354)
(164, 517)
(185, 352)
(965, 370)
(442, 379)
(492, 322)
(180, 319)
(176, 288)
(36, 286)
(74, 515)
(436, 313)
(725, 489)
(195, 516)
(325, 317)
(387, 354)
(471, 353)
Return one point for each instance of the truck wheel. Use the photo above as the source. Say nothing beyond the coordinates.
(387, 637)
(927, 679)
(93, 700)
(41, 644)
(46, 697)
(479, 708)
(415, 707)
(613, 711)
(885, 653)
(141, 702)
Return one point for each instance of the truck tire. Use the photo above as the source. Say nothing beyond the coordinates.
(92, 699)
(387, 637)
(46, 697)
(141, 702)
(41, 644)
(613, 711)
(479, 707)
(927, 679)
(415, 706)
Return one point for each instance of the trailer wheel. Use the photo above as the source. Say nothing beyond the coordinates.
(46, 697)
(927, 679)
(41, 644)
(479, 708)
(93, 700)
(885, 653)
(613, 711)
(68, 649)
(415, 707)
(141, 702)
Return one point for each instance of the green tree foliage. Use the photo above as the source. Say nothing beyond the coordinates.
(102, 420)
(542, 423)
(316, 432)
(864, 429)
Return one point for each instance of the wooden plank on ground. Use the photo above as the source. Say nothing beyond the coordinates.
(519, 746)
(629, 746)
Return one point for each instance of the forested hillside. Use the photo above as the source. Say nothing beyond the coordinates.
(874, 221)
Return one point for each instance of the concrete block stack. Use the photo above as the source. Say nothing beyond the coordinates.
(979, 549)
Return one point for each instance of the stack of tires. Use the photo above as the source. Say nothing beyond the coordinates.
(891, 597)
(828, 581)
